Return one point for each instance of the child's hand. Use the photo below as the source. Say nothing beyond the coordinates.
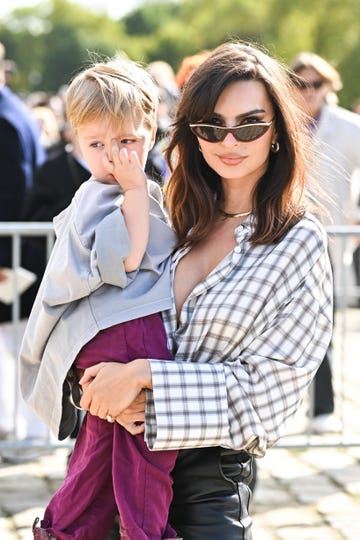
(125, 168)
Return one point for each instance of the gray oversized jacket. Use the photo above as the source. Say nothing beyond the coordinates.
(85, 289)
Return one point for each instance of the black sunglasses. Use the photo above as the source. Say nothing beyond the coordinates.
(242, 133)
(314, 84)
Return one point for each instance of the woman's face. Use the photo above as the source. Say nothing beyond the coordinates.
(242, 102)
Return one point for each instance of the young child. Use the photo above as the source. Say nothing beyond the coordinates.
(106, 282)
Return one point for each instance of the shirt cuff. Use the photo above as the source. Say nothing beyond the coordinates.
(188, 406)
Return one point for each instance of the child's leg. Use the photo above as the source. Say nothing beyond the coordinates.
(84, 508)
(142, 479)
(143, 487)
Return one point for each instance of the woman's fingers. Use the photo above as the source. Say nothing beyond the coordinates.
(134, 428)
(90, 373)
(133, 418)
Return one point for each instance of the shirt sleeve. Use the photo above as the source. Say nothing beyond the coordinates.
(246, 403)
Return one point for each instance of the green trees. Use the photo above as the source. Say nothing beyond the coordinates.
(51, 40)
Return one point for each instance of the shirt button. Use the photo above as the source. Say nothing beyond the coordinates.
(237, 249)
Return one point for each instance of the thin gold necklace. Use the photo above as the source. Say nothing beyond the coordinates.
(239, 214)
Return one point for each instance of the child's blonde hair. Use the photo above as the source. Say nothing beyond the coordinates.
(118, 88)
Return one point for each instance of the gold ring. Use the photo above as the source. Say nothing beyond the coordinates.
(110, 419)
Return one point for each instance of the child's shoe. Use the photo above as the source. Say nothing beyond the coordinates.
(39, 533)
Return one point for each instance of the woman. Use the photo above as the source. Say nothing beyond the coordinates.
(251, 314)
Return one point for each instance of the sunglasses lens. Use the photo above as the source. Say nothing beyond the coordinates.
(250, 132)
(315, 84)
(209, 133)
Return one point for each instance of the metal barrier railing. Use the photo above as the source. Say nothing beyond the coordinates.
(17, 231)
(344, 337)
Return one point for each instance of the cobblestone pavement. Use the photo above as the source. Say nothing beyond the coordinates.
(308, 488)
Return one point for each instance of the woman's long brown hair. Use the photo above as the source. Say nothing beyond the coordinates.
(194, 191)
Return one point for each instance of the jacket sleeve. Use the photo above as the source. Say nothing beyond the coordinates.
(92, 243)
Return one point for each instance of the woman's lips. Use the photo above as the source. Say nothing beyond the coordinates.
(231, 159)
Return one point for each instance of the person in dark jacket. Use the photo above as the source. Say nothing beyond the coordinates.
(21, 153)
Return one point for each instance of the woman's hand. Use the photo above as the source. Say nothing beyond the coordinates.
(112, 388)
(133, 418)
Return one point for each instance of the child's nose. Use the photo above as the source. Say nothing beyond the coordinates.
(109, 152)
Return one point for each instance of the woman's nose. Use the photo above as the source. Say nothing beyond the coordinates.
(230, 139)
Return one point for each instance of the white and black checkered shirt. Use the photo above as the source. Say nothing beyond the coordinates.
(247, 345)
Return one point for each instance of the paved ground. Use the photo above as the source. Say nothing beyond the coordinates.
(303, 492)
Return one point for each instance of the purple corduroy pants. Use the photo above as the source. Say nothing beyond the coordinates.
(110, 471)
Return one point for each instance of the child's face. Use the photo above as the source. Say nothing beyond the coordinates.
(96, 139)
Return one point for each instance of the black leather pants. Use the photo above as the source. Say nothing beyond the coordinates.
(212, 494)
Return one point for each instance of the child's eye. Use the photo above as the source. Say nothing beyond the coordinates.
(96, 145)
(127, 141)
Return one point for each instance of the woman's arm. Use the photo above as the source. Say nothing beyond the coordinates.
(112, 388)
